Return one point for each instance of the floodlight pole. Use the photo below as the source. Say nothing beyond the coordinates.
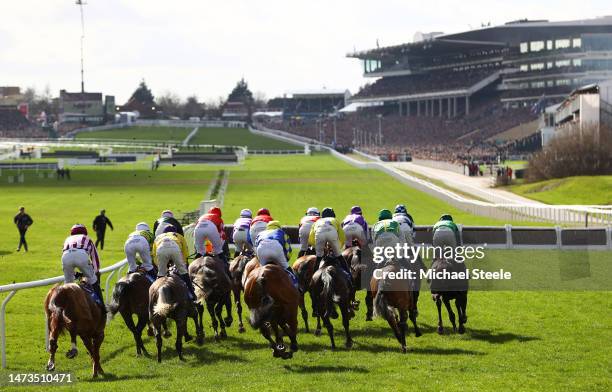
(80, 3)
(380, 129)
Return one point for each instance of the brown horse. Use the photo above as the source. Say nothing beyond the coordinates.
(304, 268)
(273, 303)
(69, 307)
(213, 286)
(392, 294)
(169, 298)
(131, 296)
(445, 290)
(250, 266)
(236, 273)
(328, 288)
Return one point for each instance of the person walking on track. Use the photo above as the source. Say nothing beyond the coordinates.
(23, 221)
(99, 225)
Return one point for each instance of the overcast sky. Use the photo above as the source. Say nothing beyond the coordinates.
(204, 47)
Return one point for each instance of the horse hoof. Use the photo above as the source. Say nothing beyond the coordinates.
(440, 330)
(404, 350)
(188, 338)
(217, 338)
(294, 348)
(228, 321)
(50, 367)
(200, 340)
(461, 329)
(241, 329)
(287, 355)
(368, 318)
(417, 333)
(317, 332)
(71, 353)
(150, 332)
(349, 344)
(223, 334)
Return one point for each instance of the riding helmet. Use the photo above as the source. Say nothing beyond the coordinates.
(328, 212)
(167, 214)
(263, 211)
(400, 209)
(446, 217)
(246, 213)
(273, 225)
(78, 229)
(356, 210)
(384, 214)
(313, 211)
(215, 211)
(143, 226)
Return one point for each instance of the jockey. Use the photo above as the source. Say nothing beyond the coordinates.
(274, 245)
(258, 224)
(311, 216)
(386, 232)
(171, 246)
(80, 252)
(210, 227)
(324, 231)
(446, 233)
(167, 218)
(406, 223)
(355, 228)
(140, 242)
(240, 233)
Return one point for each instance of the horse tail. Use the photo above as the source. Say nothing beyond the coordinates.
(120, 291)
(327, 293)
(164, 306)
(58, 320)
(264, 310)
(381, 305)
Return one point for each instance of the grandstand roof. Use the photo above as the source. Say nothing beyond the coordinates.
(315, 93)
(66, 96)
(511, 33)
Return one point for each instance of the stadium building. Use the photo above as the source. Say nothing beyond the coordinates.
(310, 103)
(518, 63)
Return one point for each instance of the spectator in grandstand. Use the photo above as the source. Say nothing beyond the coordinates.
(99, 225)
(23, 221)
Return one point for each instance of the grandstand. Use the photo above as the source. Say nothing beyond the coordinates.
(312, 103)
(446, 96)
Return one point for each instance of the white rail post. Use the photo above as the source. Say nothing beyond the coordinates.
(509, 244)
(3, 326)
(559, 239)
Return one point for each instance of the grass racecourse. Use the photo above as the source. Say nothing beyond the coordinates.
(515, 340)
(592, 190)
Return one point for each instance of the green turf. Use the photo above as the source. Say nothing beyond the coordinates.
(174, 134)
(591, 190)
(240, 137)
(546, 340)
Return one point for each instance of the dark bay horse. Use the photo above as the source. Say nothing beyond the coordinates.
(236, 273)
(391, 294)
(169, 298)
(213, 287)
(361, 268)
(445, 290)
(304, 267)
(131, 297)
(328, 288)
(69, 307)
(273, 303)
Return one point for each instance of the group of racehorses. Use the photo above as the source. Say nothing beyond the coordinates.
(269, 292)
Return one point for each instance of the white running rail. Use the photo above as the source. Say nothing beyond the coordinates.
(115, 270)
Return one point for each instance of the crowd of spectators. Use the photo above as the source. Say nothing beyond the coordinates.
(424, 83)
(14, 124)
(434, 138)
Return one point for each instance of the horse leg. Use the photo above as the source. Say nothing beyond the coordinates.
(439, 306)
(265, 332)
(330, 330)
(142, 323)
(345, 323)
(451, 314)
(218, 311)
(181, 329)
(241, 328)
(96, 343)
(280, 344)
(304, 312)
(211, 311)
(290, 329)
(228, 306)
(369, 305)
(53, 335)
(403, 327)
(158, 337)
(70, 354)
(89, 345)
(460, 304)
(197, 315)
(129, 322)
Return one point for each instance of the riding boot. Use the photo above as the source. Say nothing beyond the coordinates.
(189, 284)
(301, 253)
(98, 291)
(152, 274)
(293, 276)
(319, 262)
